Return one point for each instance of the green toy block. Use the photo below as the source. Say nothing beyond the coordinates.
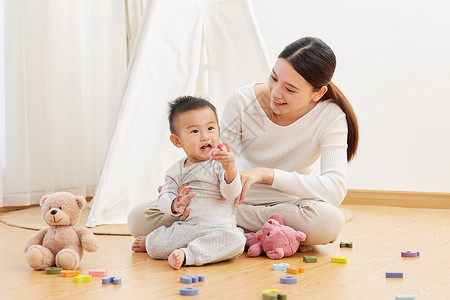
(346, 245)
(53, 270)
(310, 259)
(274, 296)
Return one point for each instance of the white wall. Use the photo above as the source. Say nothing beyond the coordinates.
(394, 67)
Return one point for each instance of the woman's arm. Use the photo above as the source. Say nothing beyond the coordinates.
(330, 185)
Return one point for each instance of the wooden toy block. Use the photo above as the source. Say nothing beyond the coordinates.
(114, 280)
(186, 279)
(98, 272)
(70, 273)
(295, 270)
(194, 278)
(218, 148)
(394, 274)
(271, 296)
(288, 279)
(82, 278)
(339, 259)
(274, 296)
(282, 296)
(106, 280)
(271, 291)
(405, 297)
(188, 291)
(346, 245)
(280, 267)
(53, 270)
(310, 259)
(410, 254)
(117, 280)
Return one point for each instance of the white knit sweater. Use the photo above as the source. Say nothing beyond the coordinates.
(289, 150)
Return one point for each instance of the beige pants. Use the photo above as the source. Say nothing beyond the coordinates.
(321, 221)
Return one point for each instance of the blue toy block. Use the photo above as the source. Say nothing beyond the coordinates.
(405, 297)
(201, 278)
(280, 267)
(114, 280)
(188, 291)
(394, 274)
(186, 279)
(194, 278)
(288, 279)
(117, 280)
(106, 280)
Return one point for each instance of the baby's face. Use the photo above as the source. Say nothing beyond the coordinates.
(198, 132)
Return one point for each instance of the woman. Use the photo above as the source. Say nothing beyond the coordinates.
(277, 130)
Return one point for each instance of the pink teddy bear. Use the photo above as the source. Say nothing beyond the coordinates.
(275, 239)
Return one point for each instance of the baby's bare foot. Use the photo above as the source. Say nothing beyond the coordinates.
(176, 259)
(139, 244)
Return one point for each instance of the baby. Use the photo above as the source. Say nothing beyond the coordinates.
(207, 181)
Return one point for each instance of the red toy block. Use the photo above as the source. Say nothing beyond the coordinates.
(98, 272)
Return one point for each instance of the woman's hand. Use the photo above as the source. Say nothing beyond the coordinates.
(255, 175)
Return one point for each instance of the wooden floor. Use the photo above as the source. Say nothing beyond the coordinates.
(379, 234)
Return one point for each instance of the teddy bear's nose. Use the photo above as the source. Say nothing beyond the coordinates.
(53, 212)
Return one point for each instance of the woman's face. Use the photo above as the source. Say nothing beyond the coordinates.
(291, 96)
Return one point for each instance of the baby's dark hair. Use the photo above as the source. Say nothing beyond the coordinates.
(186, 103)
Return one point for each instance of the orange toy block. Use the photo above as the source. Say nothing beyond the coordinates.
(70, 273)
(295, 270)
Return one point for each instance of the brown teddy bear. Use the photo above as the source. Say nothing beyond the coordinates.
(63, 242)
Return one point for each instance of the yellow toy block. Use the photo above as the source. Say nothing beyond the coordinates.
(82, 278)
(271, 291)
(70, 273)
(273, 294)
(339, 259)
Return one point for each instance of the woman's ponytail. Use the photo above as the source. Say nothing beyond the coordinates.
(335, 95)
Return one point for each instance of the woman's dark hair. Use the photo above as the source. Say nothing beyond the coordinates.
(186, 103)
(315, 62)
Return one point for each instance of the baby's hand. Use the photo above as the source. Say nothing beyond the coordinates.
(224, 156)
(182, 200)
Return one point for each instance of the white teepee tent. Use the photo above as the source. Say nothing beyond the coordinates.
(205, 48)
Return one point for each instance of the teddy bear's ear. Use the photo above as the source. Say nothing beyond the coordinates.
(81, 202)
(43, 199)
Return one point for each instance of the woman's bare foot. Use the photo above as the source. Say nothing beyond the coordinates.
(176, 259)
(139, 244)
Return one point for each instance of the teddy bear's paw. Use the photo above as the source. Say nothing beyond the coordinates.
(67, 259)
(35, 258)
